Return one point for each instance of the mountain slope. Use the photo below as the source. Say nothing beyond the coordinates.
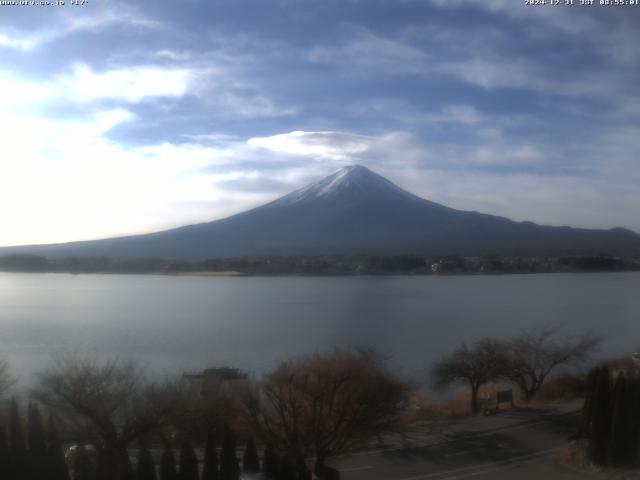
(353, 211)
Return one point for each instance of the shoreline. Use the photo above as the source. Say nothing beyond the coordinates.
(235, 273)
(223, 273)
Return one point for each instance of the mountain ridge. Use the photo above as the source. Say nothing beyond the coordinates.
(352, 211)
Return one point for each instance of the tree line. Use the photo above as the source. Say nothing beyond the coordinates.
(37, 454)
(304, 411)
(307, 409)
(34, 455)
(611, 417)
(321, 264)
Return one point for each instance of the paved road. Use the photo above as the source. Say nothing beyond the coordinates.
(511, 448)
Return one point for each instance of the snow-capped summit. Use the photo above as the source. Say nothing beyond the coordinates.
(352, 180)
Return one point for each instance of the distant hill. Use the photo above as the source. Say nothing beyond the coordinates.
(353, 211)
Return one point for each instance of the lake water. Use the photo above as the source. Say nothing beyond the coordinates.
(175, 324)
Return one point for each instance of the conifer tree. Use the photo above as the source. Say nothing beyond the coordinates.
(188, 462)
(587, 408)
(612, 420)
(37, 444)
(633, 452)
(146, 469)
(82, 469)
(287, 471)
(56, 466)
(17, 445)
(168, 464)
(5, 459)
(619, 425)
(210, 469)
(229, 467)
(599, 425)
(625, 439)
(270, 463)
(250, 460)
(126, 469)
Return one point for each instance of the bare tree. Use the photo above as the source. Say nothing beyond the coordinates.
(536, 353)
(321, 405)
(7, 380)
(113, 397)
(200, 414)
(477, 365)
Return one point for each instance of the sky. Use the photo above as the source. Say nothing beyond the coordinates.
(120, 117)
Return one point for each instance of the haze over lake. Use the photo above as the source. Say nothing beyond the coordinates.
(175, 324)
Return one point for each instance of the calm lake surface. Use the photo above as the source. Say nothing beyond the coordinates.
(173, 324)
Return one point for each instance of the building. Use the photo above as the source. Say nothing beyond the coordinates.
(213, 382)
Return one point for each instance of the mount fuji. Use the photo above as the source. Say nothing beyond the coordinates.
(353, 211)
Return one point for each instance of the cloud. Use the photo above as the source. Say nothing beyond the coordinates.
(464, 114)
(174, 55)
(499, 72)
(16, 92)
(211, 138)
(343, 147)
(253, 181)
(567, 31)
(136, 84)
(365, 50)
(66, 24)
(574, 20)
(11, 42)
(64, 179)
(251, 105)
(456, 114)
(538, 50)
(431, 54)
(72, 181)
(322, 145)
(132, 84)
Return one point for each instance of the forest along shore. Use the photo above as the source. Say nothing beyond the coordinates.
(325, 265)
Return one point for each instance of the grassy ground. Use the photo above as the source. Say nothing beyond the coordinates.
(560, 389)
